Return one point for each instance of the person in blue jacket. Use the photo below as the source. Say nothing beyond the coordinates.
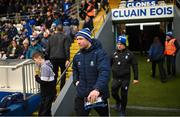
(156, 56)
(91, 71)
(34, 47)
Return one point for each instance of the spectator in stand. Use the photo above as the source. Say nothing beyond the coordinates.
(49, 20)
(88, 23)
(89, 15)
(24, 48)
(82, 9)
(4, 45)
(74, 21)
(44, 40)
(67, 29)
(67, 4)
(74, 27)
(34, 47)
(12, 31)
(13, 51)
(27, 29)
(57, 18)
(105, 5)
(90, 9)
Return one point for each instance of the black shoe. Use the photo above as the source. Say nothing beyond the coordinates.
(164, 81)
(116, 107)
(153, 77)
(122, 113)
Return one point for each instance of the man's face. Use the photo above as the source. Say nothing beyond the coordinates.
(82, 42)
(168, 37)
(14, 44)
(33, 43)
(120, 46)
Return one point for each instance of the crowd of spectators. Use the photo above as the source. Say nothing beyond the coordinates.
(29, 24)
(20, 39)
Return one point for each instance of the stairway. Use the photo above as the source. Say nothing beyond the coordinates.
(114, 3)
(73, 50)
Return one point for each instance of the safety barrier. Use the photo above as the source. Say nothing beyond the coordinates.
(18, 76)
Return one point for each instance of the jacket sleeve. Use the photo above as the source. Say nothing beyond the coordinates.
(111, 59)
(8, 51)
(28, 54)
(135, 67)
(67, 48)
(150, 52)
(177, 46)
(47, 51)
(75, 71)
(103, 67)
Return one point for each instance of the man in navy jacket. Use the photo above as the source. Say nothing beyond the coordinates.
(91, 71)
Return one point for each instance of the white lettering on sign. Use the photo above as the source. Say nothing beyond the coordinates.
(141, 4)
(143, 12)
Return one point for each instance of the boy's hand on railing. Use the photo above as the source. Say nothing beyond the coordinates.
(37, 76)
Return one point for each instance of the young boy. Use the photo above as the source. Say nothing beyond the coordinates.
(47, 83)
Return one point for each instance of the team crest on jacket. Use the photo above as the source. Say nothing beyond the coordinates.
(92, 63)
(79, 63)
(126, 57)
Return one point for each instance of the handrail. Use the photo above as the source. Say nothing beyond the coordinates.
(177, 2)
(93, 30)
(64, 72)
(22, 70)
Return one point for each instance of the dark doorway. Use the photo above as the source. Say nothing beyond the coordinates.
(133, 33)
(140, 40)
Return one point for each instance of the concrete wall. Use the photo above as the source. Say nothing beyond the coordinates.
(64, 103)
(106, 35)
(176, 24)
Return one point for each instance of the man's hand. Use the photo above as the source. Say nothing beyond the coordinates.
(148, 60)
(135, 81)
(93, 96)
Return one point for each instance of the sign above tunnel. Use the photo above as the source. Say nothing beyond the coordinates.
(149, 12)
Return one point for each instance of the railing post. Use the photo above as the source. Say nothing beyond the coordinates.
(77, 2)
(23, 82)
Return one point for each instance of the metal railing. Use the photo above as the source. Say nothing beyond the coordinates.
(18, 76)
(30, 86)
(178, 3)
